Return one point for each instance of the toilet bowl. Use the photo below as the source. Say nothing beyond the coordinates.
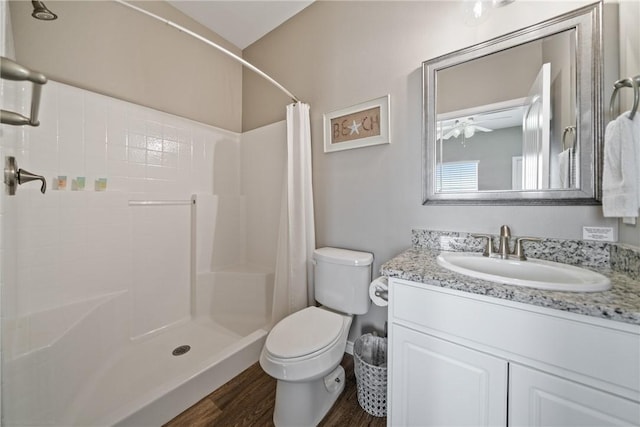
(304, 350)
(305, 345)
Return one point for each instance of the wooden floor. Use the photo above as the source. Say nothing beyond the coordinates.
(248, 399)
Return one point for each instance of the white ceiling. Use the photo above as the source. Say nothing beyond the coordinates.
(241, 22)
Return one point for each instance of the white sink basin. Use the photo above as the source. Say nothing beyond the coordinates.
(533, 273)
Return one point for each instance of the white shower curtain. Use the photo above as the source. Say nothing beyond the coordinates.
(293, 288)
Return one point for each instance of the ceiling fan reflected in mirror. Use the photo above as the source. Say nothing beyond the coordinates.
(465, 127)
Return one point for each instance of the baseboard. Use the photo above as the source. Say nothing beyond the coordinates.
(349, 348)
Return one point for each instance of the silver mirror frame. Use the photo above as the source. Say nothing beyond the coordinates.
(587, 21)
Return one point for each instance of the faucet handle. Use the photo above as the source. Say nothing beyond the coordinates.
(26, 176)
(518, 251)
(488, 249)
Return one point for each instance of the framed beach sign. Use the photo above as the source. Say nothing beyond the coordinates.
(357, 126)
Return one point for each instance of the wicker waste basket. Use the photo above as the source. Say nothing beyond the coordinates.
(370, 354)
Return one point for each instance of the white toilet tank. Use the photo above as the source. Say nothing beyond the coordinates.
(342, 278)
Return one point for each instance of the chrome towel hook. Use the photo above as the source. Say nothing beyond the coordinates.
(632, 82)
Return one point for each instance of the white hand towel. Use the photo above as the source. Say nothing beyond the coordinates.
(620, 177)
(564, 161)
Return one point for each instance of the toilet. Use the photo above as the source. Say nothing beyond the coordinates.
(304, 350)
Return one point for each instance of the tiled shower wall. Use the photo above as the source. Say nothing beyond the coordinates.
(140, 150)
(73, 244)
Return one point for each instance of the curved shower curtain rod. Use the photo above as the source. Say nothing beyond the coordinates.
(212, 44)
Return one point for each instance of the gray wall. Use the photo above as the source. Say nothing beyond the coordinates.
(336, 54)
(110, 49)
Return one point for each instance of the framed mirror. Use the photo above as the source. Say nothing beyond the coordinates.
(517, 119)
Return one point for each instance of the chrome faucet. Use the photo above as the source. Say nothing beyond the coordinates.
(503, 248)
(504, 251)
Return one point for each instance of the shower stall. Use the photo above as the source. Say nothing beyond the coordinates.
(125, 306)
(143, 278)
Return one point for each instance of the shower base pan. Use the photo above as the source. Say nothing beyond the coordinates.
(148, 385)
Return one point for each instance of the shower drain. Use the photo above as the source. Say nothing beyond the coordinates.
(179, 351)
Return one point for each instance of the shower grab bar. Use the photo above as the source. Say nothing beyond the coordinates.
(161, 202)
(11, 70)
(631, 82)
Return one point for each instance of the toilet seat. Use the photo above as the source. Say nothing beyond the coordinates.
(302, 359)
(304, 333)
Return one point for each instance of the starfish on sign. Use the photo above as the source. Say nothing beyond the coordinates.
(354, 128)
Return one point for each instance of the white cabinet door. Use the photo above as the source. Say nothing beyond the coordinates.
(540, 399)
(437, 383)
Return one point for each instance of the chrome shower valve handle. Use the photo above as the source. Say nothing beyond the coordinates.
(26, 176)
(13, 176)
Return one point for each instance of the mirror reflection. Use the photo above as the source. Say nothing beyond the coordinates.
(507, 121)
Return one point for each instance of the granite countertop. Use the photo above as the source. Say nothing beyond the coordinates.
(621, 303)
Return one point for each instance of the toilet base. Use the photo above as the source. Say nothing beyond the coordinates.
(306, 403)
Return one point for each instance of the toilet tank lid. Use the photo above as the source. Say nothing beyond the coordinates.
(343, 256)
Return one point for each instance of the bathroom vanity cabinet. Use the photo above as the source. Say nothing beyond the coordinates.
(458, 358)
